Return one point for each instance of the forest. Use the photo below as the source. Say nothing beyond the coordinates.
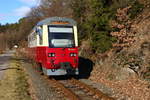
(94, 17)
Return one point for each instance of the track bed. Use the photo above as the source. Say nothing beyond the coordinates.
(55, 88)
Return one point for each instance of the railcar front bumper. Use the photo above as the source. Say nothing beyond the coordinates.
(57, 72)
(65, 69)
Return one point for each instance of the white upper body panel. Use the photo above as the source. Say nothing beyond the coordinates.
(40, 35)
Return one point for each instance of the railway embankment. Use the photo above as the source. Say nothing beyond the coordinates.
(45, 88)
(13, 85)
(62, 88)
(40, 89)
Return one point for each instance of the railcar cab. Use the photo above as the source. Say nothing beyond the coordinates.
(56, 47)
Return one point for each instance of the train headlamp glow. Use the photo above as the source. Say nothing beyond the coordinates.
(51, 55)
(73, 54)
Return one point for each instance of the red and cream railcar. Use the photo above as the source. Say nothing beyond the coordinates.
(53, 43)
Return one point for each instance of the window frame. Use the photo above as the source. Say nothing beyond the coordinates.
(62, 33)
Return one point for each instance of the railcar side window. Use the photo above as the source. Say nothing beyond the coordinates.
(40, 33)
(60, 36)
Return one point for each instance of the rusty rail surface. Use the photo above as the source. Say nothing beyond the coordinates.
(60, 87)
(92, 91)
(96, 94)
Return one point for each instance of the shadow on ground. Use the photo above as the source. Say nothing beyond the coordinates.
(85, 67)
(9, 68)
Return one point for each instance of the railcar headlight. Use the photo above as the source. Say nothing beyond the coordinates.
(51, 55)
(73, 54)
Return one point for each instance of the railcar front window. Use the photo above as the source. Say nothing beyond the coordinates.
(61, 36)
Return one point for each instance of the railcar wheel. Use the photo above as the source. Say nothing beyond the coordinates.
(39, 68)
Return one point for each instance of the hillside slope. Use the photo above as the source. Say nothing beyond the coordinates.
(128, 71)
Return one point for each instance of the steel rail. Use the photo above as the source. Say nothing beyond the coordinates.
(60, 87)
(97, 94)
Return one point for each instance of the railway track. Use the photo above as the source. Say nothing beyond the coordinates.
(74, 89)
(67, 89)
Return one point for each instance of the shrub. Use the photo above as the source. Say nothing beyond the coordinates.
(135, 9)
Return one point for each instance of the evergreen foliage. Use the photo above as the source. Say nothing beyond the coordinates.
(136, 8)
(94, 17)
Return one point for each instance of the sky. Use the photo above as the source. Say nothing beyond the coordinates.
(12, 10)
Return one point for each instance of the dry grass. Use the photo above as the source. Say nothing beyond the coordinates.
(14, 86)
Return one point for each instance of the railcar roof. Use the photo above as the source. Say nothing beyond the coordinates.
(52, 19)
